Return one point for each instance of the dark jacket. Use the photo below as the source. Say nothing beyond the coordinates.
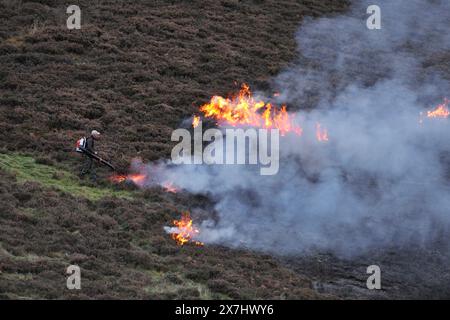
(90, 144)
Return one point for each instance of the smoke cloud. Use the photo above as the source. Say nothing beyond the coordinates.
(382, 179)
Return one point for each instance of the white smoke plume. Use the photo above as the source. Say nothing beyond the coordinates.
(383, 177)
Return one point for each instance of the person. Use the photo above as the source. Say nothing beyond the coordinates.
(89, 165)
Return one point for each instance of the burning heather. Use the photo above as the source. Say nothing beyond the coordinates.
(137, 178)
(184, 231)
(441, 111)
(244, 110)
(145, 176)
(143, 180)
(381, 180)
(195, 121)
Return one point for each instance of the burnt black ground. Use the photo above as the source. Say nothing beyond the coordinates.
(406, 273)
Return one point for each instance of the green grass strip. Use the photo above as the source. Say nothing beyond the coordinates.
(26, 169)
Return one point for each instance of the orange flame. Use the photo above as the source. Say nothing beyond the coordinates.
(169, 187)
(321, 133)
(243, 109)
(186, 231)
(441, 111)
(136, 178)
(117, 178)
(139, 180)
(195, 121)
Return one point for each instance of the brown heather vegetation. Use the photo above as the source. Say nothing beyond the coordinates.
(122, 251)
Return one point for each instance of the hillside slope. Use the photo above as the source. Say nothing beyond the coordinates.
(134, 71)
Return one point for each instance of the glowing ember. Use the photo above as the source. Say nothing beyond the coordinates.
(136, 178)
(243, 109)
(185, 231)
(441, 111)
(117, 178)
(169, 187)
(321, 133)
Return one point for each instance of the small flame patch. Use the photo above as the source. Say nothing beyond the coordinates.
(441, 111)
(137, 178)
(184, 230)
(195, 121)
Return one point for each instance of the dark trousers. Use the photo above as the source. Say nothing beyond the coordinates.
(88, 167)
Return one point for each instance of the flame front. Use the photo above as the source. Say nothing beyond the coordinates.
(195, 121)
(140, 179)
(137, 178)
(441, 111)
(185, 232)
(117, 178)
(243, 109)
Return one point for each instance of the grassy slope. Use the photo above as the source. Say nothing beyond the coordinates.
(26, 169)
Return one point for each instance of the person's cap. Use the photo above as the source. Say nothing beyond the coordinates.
(95, 133)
